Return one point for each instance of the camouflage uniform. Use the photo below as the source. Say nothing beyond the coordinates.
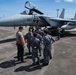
(47, 48)
(28, 37)
(35, 43)
(40, 39)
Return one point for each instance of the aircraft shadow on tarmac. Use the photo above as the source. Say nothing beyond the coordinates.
(7, 40)
(65, 34)
(68, 34)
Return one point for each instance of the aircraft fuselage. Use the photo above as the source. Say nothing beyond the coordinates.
(24, 20)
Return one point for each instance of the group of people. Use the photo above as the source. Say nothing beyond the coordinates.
(37, 42)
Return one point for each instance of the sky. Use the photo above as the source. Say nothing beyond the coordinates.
(48, 7)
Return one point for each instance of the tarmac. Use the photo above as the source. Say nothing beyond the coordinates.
(62, 63)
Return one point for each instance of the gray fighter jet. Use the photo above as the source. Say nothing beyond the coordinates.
(31, 19)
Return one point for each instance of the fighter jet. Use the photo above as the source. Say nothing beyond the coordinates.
(31, 19)
(70, 25)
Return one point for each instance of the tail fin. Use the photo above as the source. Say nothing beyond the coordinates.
(75, 17)
(62, 13)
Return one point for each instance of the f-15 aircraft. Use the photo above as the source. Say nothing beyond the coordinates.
(70, 25)
(31, 19)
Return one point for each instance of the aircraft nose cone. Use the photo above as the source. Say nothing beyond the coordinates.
(64, 27)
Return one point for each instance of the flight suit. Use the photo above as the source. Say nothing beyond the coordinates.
(39, 31)
(47, 48)
(35, 50)
(58, 33)
(28, 37)
(40, 39)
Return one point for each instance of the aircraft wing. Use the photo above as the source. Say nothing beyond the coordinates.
(54, 22)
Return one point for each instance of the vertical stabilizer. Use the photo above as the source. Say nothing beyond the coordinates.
(75, 17)
(62, 13)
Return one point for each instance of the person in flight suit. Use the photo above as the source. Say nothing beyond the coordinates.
(58, 33)
(40, 39)
(28, 38)
(20, 44)
(36, 28)
(35, 43)
(47, 41)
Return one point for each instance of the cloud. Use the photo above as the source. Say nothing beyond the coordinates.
(69, 0)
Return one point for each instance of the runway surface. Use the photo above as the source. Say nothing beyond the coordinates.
(63, 62)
